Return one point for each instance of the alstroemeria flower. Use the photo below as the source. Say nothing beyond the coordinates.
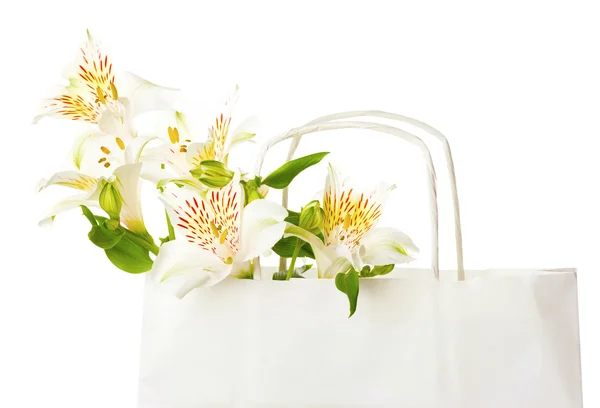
(108, 102)
(98, 160)
(350, 239)
(217, 236)
(126, 179)
(220, 143)
(182, 152)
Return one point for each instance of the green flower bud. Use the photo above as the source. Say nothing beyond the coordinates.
(253, 191)
(312, 217)
(112, 225)
(110, 201)
(213, 174)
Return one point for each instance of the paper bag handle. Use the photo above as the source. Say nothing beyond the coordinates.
(409, 137)
(418, 124)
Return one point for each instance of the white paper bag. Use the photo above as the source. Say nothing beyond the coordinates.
(501, 338)
(419, 339)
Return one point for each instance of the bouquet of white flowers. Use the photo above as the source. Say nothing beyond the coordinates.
(219, 218)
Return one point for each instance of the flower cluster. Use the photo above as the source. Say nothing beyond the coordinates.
(218, 218)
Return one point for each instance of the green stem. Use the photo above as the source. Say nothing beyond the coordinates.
(154, 249)
(293, 262)
(170, 227)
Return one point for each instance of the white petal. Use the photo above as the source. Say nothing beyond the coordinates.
(211, 219)
(263, 190)
(102, 155)
(384, 246)
(183, 266)
(248, 125)
(338, 181)
(239, 139)
(174, 154)
(340, 265)
(350, 211)
(183, 126)
(177, 160)
(71, 179)
(128, 184)
(117, 124)
(138, 146)
(66, 205)
(218, 133)
(262, 226)
(323, 255)
(154, 173)
(155, 154)
(175, 198)
(81, 145)
(242, 133)
(144, 95)
(342, 251)
(334, 181)
(188, 181)
(166, 152)
(242, 270)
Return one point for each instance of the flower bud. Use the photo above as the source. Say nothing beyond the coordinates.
(252, 191)
(213, 174)
(312, 217)
(112, 225)
(110, 201)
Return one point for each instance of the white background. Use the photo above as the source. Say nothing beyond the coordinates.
(514, 86)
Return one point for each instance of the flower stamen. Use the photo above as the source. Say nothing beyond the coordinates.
(223, 236)
(347, 221)
(214, 229)
(113, 91)
(173, 135)
(120, 143)
(101, 97)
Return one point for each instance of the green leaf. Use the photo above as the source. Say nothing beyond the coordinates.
(348, 283)
(285, 248)
(126, 250)
(282, 275)
(283, 176)
(365, 271)
(248, 274)
(171, 236)
(89, 215)
(378, 270)
(293, 217)
(106, 234)
(129, 255)
(381, 270)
